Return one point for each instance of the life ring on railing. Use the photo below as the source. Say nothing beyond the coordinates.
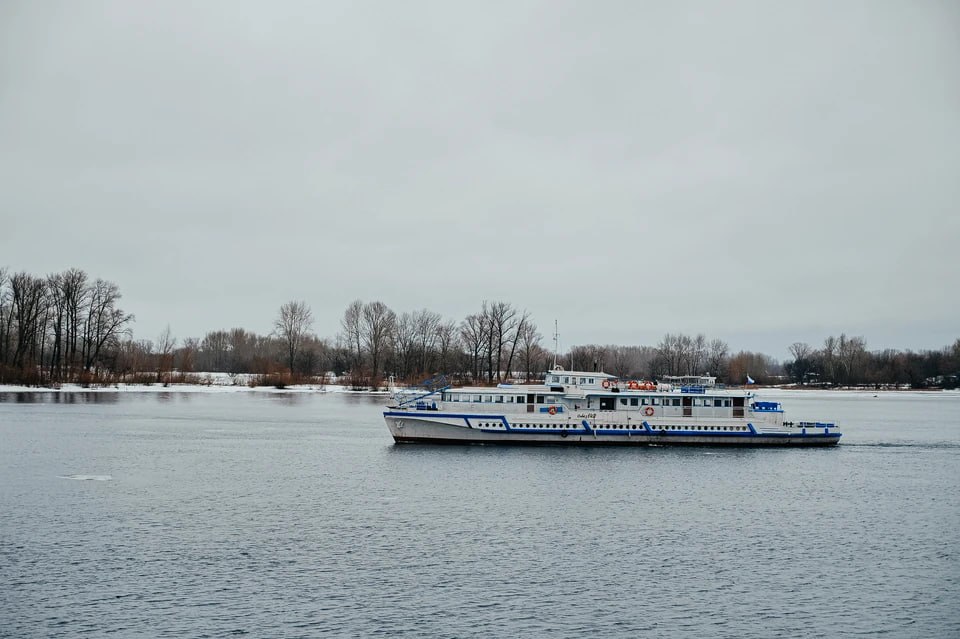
(606, 383)
(633, 385)
(648, 411)
(552, 410)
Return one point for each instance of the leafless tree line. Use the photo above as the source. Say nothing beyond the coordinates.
(676, 354)
(69, 327)
(496, 343)
(845, 361)
(58, 328)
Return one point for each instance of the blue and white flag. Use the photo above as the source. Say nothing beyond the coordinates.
(750, 380)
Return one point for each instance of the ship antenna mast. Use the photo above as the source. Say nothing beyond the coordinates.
(556, 344)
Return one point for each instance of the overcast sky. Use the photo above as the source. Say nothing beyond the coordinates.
(763, 172)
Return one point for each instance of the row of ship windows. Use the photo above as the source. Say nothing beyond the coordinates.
(614, 427)
(554, 379)
(498, 399)
(715, 402)
(674, 401)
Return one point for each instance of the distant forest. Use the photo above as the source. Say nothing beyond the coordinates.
(68, 327)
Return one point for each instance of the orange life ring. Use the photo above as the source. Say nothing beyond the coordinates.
(552, 410)
(606, 383)
(648, 411)
(633, 385)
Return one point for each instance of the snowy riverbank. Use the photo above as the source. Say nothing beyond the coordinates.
(204, 383)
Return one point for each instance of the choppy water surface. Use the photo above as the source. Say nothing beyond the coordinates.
(295, 515)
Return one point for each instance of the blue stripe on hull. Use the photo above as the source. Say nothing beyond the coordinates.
(755, 441)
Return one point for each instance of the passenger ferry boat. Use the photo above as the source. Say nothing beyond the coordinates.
(582, 408)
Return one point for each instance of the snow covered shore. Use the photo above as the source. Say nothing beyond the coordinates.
(205, 383)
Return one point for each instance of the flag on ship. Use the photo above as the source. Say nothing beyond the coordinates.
(750, 380)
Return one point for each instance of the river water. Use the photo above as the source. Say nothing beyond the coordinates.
(294, 515)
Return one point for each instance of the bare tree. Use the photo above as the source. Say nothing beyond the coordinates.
(425, 330)
(352, 327)
(698, 354)
(530, 349)
(619, 361)
(588, 357)
(166, 342)
(758, 366)
(473, 335)
(58, 311)
(187, 354)
(28, 295)
(6, 321)
(503, 321)
(513, 338)
(404, 344)
(851, 351)
(717, 355)
(446, 341)
(378, 325)
(105, 322)
(76, 297)
(213, 351)
(828, 358)
(292, 325)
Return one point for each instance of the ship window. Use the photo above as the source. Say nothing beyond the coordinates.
(488, 398)
(623, 401)
(656, 401)
(718, 402)
(539, 399)
(634, 401)
(726, 402)
(643, 401)
(676, 401)
(591, 381)
(499, 399)
(477, 398)
(566, 380)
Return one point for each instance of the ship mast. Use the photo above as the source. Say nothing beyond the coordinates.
(556, 344)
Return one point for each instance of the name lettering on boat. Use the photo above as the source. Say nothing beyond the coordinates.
(587, 415)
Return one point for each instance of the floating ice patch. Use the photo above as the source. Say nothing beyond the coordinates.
(87, 477)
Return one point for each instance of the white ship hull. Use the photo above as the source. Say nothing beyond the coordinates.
(443, 428)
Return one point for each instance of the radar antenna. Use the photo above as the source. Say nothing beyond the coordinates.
(556, 344)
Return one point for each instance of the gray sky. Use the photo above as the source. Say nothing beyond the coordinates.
(763, 172)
